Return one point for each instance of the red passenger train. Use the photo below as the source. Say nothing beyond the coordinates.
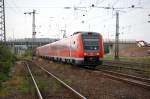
(81, 48)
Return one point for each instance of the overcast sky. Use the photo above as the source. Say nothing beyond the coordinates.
(51, 18)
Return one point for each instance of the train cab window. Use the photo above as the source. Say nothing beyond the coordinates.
(91, 47)
(91, 41)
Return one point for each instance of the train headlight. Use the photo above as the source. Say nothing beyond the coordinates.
(85, 54)
(97, 53)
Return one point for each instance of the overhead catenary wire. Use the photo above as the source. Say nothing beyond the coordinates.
(13, 6)
(118, 7)
(96, 2)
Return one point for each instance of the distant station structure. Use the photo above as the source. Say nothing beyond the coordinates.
(27, 43)
(20, 45)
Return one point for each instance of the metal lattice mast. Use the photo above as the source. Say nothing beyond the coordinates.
(2, 22)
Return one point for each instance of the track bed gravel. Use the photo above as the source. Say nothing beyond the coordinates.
(90, 83)
(94, 85)
(48, 86)
(20, 85)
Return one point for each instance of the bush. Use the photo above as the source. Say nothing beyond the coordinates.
(28, 53)
(6, 55)
(3, 76)
(6, 61)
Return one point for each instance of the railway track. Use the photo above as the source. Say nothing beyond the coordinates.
(76, 93)
(134, 80)
(127, 63)
(138, 81)
(34, 81)
(94, 83)
(124, 67)
(110, 69)
(140, 67)
(127, 68)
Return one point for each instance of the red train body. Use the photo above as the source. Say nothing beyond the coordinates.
(82, 48)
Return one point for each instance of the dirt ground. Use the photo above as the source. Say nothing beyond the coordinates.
(137, 51)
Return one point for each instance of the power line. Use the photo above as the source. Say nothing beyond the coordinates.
(13, 2)
(35, 7)
(7, 4)
(12, 6)
(99, 2)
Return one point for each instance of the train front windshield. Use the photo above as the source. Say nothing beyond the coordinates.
(91, 41)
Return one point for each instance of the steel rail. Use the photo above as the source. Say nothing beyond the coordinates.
(128, 68)
(63, 83)
(126, 62)
(131, 76)
(127, 78)
(37, 89)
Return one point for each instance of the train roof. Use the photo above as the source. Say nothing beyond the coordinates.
(84, 32)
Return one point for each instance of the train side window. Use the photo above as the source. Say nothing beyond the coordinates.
(74, 44)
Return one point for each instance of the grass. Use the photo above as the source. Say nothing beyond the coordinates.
(13, 86)
(56, 86)
(4, 90)
(46, 83)
(42, 83)
(24, 86)
(17, 83)
(68, 81)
